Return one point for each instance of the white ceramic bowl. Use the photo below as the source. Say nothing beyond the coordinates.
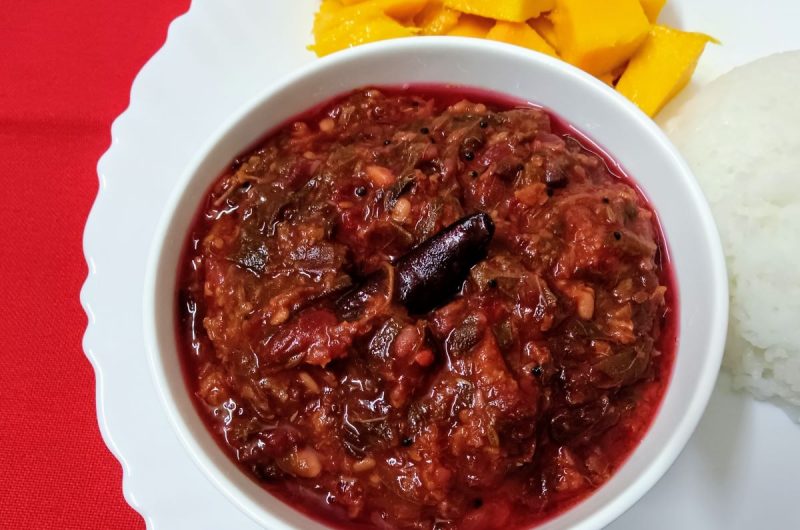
(612, 122)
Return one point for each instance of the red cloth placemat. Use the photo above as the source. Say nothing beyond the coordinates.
(65, 73)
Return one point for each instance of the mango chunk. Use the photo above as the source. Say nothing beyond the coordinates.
(544, 27)
(348, 32)
(599, 37)
(652, 8)
(607, 78)
(521, 34)
(436, 19)
(611, 78)
(471, 26)
(333, 12)
(662, 67)
(399, 9)
(509, 10)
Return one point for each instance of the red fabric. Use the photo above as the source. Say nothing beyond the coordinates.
(66, 67)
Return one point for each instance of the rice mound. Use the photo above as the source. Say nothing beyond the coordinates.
(741, 136)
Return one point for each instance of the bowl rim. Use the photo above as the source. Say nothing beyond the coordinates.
(672, 446)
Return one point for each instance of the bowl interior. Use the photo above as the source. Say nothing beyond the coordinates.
(631, 138)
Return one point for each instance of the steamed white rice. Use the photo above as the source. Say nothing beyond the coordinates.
(741, 136)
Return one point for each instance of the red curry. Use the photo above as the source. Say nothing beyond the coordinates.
(510, 398)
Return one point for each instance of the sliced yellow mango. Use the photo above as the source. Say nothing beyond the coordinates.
(509, 10)
(331, 13)
(612, 39)
(662, 67)
(544, 27)
(354, 31)
(607, 78)
(436, 19)
(399, 9)
(610, 78)
(521, 34)
(471, 26)
(652, 8)
(599, 37)
(329, 7)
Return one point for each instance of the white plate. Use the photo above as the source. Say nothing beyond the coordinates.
(739, 471)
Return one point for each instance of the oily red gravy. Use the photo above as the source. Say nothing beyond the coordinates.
(515, 389)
